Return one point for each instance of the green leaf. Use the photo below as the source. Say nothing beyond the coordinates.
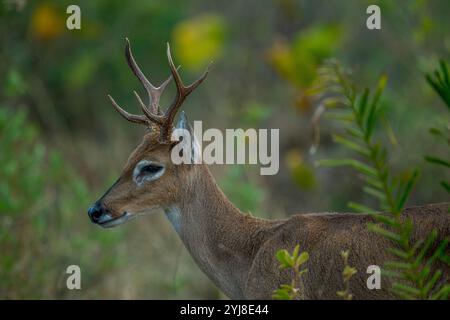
(370, 119)
(375, 193)
(358, 165)
(342, 294)
(351, 145)
(360, 208)
(442, 294)
(286, 287)
(392, 274)
(374, 182)
(438, 161)
(345, 254)
(407, 190)
(446, 185)
(340, 116)
(440, 83)
(444, 70)
(431, 283)
(354, 132)
(399, 253)
(348, 272)
(430, 240)
(387, 220)
(302, 271)
(281, 294)
(302, 258)
(438, 133)
(385, 233)
(406, 288)
(404, 291)
(389, 131)
(295, 252)
(440, 252)
(363, 103)
(396, 265)
(284, 258)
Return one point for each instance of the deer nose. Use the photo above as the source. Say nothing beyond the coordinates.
(95, 212)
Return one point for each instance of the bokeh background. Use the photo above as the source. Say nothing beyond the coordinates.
(62, 144)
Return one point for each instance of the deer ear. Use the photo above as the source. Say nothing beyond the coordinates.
(183, 122)
(183, 125)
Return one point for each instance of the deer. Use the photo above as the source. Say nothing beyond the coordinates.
(234, 249)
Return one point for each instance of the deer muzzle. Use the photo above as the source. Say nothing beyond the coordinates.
(101, 216)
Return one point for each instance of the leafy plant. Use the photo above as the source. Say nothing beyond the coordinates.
(347, 274)
(41, 229)
(297, 60)
(440, 82)
(293, 262)
(411, 271)
(22, 181)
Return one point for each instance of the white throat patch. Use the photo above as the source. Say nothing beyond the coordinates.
(174, 215)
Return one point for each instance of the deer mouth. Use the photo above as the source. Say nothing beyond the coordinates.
(109, 222)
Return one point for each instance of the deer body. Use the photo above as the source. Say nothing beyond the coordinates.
(235, 250)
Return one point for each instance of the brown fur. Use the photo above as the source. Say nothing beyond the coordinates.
(237, 251)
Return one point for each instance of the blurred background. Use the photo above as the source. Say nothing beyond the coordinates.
(62, 144)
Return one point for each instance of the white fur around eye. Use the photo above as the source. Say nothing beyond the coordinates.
(140, 178)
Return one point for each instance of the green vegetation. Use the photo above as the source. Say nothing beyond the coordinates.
(62, 145)
(359, 114)
(40, 225)
(440, 82)
(293, 262)
(412, 270)
(347, 274)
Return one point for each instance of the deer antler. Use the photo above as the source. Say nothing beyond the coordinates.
(153, 116)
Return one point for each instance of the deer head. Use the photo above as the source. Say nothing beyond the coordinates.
(149, 179)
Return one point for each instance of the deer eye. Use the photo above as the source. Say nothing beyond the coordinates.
(151, 168)
(147, 170)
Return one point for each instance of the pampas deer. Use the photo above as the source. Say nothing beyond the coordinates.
(235, 250)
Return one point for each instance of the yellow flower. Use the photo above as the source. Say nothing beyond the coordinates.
(46, 22)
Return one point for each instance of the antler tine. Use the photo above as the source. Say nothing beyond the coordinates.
(155, 117)
(154, 93)
(130, 117)
(135, 68)
(182, 92)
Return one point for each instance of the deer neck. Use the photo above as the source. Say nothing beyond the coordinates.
(216, 233)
